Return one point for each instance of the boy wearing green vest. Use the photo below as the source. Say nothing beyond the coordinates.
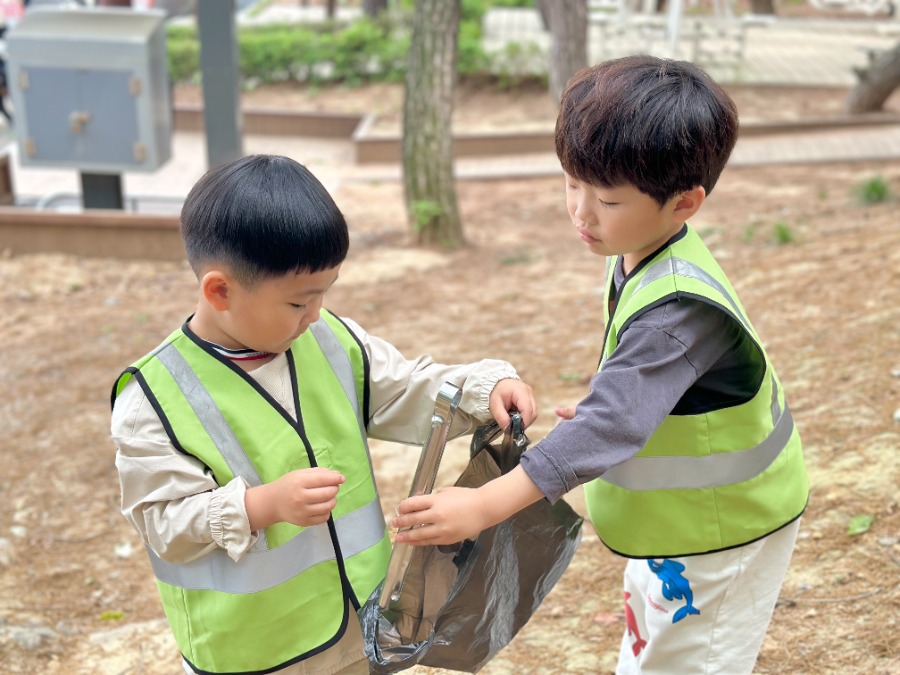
(241, 439)
(691, 463)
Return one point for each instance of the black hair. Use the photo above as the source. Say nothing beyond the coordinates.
(263, 216)
(660, 125)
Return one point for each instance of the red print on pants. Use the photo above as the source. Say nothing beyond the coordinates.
(631, 624)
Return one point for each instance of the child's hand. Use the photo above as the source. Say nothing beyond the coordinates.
(565, 413)
(510, 394)
(444, 517)
(303, 497)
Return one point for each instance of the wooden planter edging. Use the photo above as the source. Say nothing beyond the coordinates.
(120, 234)
(381, 149)
(93, 233)
(276, 122)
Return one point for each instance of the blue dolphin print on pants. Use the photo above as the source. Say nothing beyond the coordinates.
(675, 586)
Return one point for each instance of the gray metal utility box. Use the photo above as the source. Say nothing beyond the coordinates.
(90, 89)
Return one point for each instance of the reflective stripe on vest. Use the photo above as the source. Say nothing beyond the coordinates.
(726, 468)
(708, 481)
(684, 268)
(340, 363)
(208, 413)
(260, 571)
(299, 579)
(266, 568)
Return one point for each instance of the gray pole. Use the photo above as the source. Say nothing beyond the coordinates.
(217, 29)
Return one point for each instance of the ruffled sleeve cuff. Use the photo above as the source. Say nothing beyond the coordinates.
(228, 521)
(479, 385)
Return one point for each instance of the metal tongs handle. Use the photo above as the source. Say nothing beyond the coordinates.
(445, 406)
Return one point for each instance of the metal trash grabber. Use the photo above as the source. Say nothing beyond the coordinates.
(446, 403)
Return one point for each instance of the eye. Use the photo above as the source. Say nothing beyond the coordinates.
(296, 306)
(607, 203)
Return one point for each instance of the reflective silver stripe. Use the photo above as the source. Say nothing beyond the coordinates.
(776, 408)
(256, 572)
(209, 414)
(727, 468)
(684, 268)
(338, 359)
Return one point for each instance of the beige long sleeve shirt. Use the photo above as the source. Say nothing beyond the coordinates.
(182, 513)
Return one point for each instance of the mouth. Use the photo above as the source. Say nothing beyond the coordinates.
(586, 238)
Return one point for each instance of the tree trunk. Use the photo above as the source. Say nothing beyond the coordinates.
(330, 8)
(427, 124)
(876, 83)
(373, 8)
(762, 7)
(568, 29)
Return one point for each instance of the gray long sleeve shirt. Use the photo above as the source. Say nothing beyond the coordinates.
(679, 346)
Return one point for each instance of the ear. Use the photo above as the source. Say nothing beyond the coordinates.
(686, 204)
(215, 287)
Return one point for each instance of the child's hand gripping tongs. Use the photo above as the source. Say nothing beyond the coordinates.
(447, 401)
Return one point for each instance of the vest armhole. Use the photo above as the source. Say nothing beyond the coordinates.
(130, 371)
(164, 420)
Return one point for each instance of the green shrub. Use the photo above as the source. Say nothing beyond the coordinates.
(873, 191)
(783, 234)
(365, 50)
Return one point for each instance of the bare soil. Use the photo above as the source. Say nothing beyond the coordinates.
(76, 591)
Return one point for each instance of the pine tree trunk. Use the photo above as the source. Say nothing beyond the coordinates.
(762, 6)
(372, 8)
(427, 124)
(567, 20)
(876, 83)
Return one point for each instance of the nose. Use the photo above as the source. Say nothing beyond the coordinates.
(314, 309)
(580, 210)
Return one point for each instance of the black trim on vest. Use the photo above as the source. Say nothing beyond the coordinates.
(715, 550)
(681, 234)
(366, 367)
(694, 401)
(298, 425)
(297, 659)
(346, 588)
(228, 363)
(155, 404)
(115, 388)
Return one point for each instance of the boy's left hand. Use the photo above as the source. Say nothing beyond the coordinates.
(510, 394)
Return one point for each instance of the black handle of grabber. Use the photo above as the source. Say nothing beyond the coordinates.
(445, 406)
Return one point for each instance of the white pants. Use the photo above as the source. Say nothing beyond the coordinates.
(703, 614)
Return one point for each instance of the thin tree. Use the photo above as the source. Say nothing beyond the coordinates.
(429, 185)
(372, 8)
(762, 7)
(567, 22)
(876, 83)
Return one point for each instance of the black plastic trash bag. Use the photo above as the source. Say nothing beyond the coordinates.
(459, 605)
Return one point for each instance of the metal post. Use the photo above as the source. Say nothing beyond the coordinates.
(217, 29)
(102, 191)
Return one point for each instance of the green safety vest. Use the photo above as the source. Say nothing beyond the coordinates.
(703, 482)
(288, 597)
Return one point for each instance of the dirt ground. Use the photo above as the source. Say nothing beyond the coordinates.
(76, 591)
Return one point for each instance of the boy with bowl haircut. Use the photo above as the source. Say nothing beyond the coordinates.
(241, 439)
(691, 464)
